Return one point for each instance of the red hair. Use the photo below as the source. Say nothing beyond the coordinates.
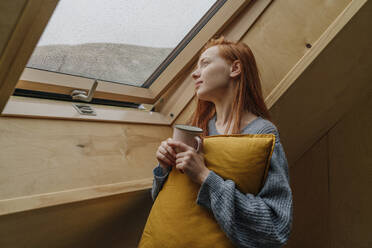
(247, 94)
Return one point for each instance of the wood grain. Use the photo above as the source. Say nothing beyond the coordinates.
(37, 108)
(279, 37)
(337, 79)
(48, 156)
(33, 16)
(10, 13)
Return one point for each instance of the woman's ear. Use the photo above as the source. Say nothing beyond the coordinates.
(235, 68)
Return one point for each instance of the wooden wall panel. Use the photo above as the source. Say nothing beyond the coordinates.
(279, 37)
(114, 222)
(186, 114)
(20, 39)
(338, 78)
(350, 151)
(332, 184)
(44, 156)
(10, 11)
(309, 183)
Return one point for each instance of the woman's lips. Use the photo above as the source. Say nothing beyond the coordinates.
(198, 84)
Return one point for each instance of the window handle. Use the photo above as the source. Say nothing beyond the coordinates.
(82, 95)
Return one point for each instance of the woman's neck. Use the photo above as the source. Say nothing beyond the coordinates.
(223, 105)
(245, 119)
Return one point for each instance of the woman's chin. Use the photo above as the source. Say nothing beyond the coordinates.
(198, 92)
(202, 95)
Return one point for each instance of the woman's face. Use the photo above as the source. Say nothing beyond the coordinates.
(212, 75)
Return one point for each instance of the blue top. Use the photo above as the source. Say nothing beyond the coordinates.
(264, 220)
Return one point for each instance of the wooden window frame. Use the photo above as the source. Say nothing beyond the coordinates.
(170, 93)
(41, 80)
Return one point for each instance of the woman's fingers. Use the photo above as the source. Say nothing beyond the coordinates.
(166, 153)
(182, 146)
(179, 167)
(163, 158)
(170, 150)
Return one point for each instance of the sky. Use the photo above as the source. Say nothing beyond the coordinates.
(154, 23)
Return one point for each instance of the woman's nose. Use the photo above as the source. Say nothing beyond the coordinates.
(195, 75)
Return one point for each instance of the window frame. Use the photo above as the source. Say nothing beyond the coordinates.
(34, 79)
(172, 102)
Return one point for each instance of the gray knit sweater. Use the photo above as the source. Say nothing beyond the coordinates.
(264, 220)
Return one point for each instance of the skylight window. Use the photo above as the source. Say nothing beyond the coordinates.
(125, 42)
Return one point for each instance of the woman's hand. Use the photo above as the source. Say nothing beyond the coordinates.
(166, 155)
(190, 162)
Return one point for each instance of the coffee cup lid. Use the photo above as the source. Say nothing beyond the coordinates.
(189, 128)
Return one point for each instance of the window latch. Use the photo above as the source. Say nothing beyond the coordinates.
(82, 95)
(84, 109)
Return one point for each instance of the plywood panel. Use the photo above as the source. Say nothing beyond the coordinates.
(115, 221)
(338, 78)
(331, 185)
(279, 37)
(186, 114)
(43, 156)
(28, 107)
(351, 178)
(10, 11)
(21, 40)
(309, 183)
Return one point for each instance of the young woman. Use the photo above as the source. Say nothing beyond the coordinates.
(230, 101)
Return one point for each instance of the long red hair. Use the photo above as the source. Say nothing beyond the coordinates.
(247, 94)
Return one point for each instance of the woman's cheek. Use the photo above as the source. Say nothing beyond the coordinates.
(208, 75)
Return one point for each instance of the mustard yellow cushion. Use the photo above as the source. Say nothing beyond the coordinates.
(176, 220)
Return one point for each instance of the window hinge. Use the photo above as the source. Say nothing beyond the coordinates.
(82, 95)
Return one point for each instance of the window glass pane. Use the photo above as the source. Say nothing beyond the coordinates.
(121, 41)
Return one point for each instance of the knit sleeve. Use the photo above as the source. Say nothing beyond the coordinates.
(263, 220)
(159, 179)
